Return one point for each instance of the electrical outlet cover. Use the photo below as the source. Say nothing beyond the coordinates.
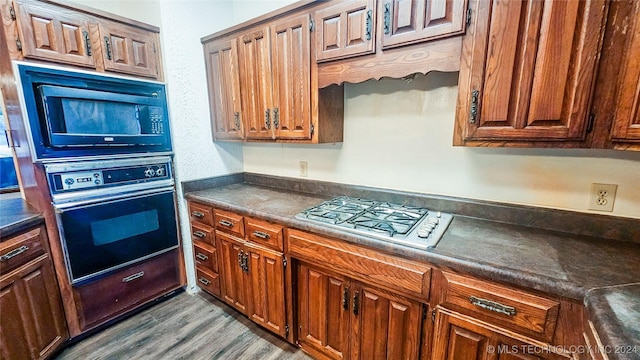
(602, 197)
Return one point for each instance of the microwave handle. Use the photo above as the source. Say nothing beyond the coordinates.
(47, 91)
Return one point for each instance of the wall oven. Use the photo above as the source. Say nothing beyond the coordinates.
(76, 113)
(113, 213)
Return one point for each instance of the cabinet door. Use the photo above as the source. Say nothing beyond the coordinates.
(528, 69)
(223, 79)
(323, 312)
(345, 30)
(256, 82)
(459, 337)
(128, 50)
(409, 21)
(385, 326)
(626, 125)
(55, 34)
(291, 59)
(233, 282)
(266, 288)
(32, 316)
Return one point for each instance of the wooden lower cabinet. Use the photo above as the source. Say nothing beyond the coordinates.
(32, 317)
(459, 337)
(252, 281)
(339, 318)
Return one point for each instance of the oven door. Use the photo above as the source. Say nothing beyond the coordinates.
(99, 236)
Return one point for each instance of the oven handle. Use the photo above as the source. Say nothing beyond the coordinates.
(83, 202)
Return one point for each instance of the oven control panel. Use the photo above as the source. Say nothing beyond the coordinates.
(104, 177)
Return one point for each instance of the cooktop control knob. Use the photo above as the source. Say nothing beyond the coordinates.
(160, 171)
(149, 173)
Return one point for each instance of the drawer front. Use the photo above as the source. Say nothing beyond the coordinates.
(205, 256)
(510, 308)
(230, 223)
(203, 233)
(20, 249)
(201, 213)
(366, 265)
(265, 233)
(208, 281)
(128, 288)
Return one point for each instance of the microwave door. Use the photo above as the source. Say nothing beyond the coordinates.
(80, 117)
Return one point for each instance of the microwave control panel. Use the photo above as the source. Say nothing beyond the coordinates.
(80, 180)
(156, 119)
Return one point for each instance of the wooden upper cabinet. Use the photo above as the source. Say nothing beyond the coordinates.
(129, 50)
(345, 30)
(528, 70)
(409, 21)
(291, 60)
(52, 33)
(223, 79)
(255, 79)
(626, 123)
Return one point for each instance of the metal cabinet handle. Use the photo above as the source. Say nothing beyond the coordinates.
(107, 45)
(345, 299)
(473, 108)
(197, 214)
(204, 281)
(14, 252)
(355, 302)
(387, 18)
(245, 261)
(261, 235)
(369, 21)
(267, 118)
(202, 257)
(236, 120)
(493, 306)
(133, 277)
(240, 260)
(276, 118)
(199, 234)
(225, 223)
(87, 42)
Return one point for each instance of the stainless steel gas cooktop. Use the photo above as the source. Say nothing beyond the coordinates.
(407, 225)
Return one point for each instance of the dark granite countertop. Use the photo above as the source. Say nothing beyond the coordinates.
(560, 263)
(16, 215)
(615, 313)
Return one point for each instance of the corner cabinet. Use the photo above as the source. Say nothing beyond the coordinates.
(528, 71)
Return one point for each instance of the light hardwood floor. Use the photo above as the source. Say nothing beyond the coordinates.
(184, 327)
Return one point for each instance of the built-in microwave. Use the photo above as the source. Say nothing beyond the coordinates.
(77, 113)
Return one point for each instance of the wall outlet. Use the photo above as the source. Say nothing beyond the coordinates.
(602, 197)
(304, 168)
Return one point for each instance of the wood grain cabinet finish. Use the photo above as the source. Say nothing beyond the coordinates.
(32, 318)
(528, 70)
(129, 50)
(223, 79)
(53, 33)
(275, 63)
(626, 124)
(340, 318)
(409, 21)
(200, 213)
(233, 282)
(345, 29)
(457, 336)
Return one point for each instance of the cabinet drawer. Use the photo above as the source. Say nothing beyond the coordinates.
(128, 288)
(369, 266)
(208, 281)
(513, 309)
(20, 249)
(265, 233)
(230, 223)
(203, 233)
(201, 213)
(205, 256)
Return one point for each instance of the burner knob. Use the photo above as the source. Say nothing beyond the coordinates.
(439, 214)
(149, 173)
(423, 233)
